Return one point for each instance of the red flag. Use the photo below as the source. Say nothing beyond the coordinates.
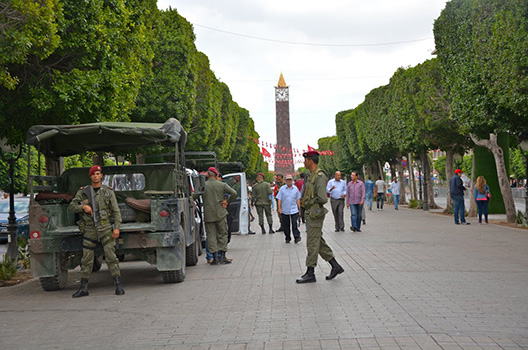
(310, 148)
(265, 153)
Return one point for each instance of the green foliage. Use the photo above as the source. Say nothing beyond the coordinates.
(7, 268)
(23, 253)
(329, 163)
(522, 219)
(518, 163)
(20, 170)
(415, 204)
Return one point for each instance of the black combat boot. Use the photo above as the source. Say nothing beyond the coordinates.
(263, 229)
(83, 289)
(308, 277)
(271, 228)
(215, 261)
(336, 269)
(119, 287)
(223, 259)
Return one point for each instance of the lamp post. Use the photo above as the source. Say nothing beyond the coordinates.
(420, 179)
(12, 248)
(524, 146)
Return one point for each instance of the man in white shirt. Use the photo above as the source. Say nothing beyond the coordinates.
(381, 187)
(337, 190)
(395, 190)
(288, 206)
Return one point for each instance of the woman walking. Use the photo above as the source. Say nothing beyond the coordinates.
(481, 193)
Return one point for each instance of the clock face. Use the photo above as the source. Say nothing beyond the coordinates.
(281, 94)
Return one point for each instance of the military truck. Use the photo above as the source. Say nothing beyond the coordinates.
(160, 222)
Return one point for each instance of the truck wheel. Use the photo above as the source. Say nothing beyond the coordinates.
(98, 262)
(173, 276)
(191, 254)
(58, 281)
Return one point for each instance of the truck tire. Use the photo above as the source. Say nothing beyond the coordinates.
(98, 262)
(191, 254)
(173, 276)
(58, 281)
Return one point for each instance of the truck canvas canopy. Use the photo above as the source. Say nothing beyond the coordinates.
(67, 140)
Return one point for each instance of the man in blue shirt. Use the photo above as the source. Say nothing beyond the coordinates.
(337, 190)
(456, 190)
(288, 206)
(369, 188)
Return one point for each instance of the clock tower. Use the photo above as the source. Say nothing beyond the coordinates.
(283, 154)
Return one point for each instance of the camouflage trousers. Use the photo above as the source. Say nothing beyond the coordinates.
(315, 243)
(89, 244)
(261, 209)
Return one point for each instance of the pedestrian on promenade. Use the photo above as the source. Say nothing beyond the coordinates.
(369, 191)
(96, 204)
(482, 195)
(215, 215)
(336, 188)
(300, 185)
(289, 205)
(279, 182)
(260, 198)
(456, 190)
(313, 200)
(395, 190)
(381, 188)
(355, 198)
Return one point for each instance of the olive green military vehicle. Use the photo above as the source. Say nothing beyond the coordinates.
(160, 222)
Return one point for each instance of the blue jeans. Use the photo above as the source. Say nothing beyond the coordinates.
(396, 200)
(369, 200)
(459, 208)
(482, 209)
(355, 218)
(208, 254)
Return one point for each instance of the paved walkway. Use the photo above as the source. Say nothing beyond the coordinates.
(413, 281)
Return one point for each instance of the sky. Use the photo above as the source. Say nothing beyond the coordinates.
(330, 53)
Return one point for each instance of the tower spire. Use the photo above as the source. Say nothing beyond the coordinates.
(282, 82)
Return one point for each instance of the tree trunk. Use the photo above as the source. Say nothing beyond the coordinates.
(53, 166)
(98, 159)
(449, 173)
(472, 204)
(429, 189)
(504, 183)
(412, 180)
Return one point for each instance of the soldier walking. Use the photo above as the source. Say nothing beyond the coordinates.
(313, 200)
(215, 215)
(260, 197)
(97, 204)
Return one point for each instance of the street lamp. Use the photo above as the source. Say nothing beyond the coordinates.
(12, 248)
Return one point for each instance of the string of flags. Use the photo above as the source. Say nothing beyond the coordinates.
(283, 155)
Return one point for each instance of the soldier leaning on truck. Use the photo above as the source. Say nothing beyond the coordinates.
(215, 215)
(97, 204)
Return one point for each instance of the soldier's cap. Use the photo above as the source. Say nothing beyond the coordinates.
(288, 177)
(94, 169)
(260, 174)
(213, 170)
(310, 153)
(279, 174)
(458, 171)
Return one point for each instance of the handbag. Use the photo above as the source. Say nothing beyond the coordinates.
(488, 194)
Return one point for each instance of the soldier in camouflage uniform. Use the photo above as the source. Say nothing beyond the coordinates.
(99, 202)
(313, 201)
(260, 198)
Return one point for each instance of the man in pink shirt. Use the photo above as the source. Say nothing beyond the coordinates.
(355, 197)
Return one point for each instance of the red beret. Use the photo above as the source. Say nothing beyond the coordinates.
(260, 174)
(213, 169)
(458, 171)
(311, 153)
(94, 169)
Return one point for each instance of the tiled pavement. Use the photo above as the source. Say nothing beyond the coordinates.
(413, 281)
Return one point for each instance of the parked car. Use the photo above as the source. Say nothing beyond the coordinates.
(21, 214)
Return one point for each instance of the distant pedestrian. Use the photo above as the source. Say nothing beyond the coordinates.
(395, 190)
(381, 188)
(336, 188)
(355, 198)
(369, 192)
(279, 182)
(314, 198)
(300, 185)
(456, 190)
(260, 198)
(482, 195)
(289, 205)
